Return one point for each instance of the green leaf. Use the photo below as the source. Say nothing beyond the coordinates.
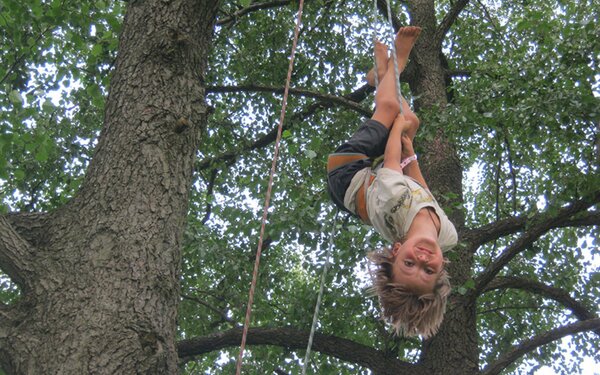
(310, 154)
(97, 50)
(469, 284)
(19, 174)
(41, 154)
(15, 97)
(48, 105)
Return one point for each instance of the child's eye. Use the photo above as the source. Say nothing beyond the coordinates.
(429, 271)
(408, 263)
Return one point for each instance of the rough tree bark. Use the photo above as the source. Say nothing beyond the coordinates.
(99, 276)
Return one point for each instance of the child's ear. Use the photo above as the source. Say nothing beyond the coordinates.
(396, 248)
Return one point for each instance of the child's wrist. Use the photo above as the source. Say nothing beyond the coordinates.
(406, 161)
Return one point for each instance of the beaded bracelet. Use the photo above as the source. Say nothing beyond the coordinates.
(408, 160)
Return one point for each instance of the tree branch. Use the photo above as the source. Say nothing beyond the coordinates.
(342, 101)
(490, 232)
(222, 314)
(382, 6)
(537, 341)
(209, 193)
(511, 168)
(229, 157)
(5, 315)
(449, 20)
(19, 60)
(556, 294)
(588, 219)
(292, 338)
(497, 310)
(497, 28)
(251, 8)
(15, 255)
(6, 320)
(458, 73)
(30, 225)
(538, 227)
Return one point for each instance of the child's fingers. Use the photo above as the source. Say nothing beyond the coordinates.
(401, 121)
(402, 124)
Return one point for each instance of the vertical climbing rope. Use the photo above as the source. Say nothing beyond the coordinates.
(318, 304)
(374, 23)
(269, 187)
(393, 44)
(393, 48)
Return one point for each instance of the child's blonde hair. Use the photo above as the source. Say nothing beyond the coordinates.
(410, 314)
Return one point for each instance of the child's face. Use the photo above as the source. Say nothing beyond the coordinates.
(417, 264)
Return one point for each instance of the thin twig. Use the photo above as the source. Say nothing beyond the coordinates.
(251, 8)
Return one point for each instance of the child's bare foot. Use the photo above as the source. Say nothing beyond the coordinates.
(411, 118)
(381, 58)
(413, 123)
(405, 40)
(401, 122)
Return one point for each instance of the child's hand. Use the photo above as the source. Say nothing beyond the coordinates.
(401, 123)
(407, 146)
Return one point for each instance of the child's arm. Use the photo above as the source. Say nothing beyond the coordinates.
(393, 148)
(412, 169)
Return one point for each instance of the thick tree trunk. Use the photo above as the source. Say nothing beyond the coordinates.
(100, 275)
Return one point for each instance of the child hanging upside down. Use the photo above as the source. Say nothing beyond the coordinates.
(409, 278)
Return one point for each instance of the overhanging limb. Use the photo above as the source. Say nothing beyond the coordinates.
(527, 346)
(16, 255)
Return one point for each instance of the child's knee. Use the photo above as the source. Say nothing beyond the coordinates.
(390, 106)
(412, 119)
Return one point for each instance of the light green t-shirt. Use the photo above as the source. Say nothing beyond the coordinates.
(393, 200)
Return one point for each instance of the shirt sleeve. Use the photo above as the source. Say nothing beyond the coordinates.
(448, 238)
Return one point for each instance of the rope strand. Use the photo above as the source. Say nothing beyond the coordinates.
(374, 16)
(396, 71)
(318, 304)
(268, 194)
(393, 48)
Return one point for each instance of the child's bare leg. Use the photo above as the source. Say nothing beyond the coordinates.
(387, 106)
(381, 62)
(411, 118)
(404, 42)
